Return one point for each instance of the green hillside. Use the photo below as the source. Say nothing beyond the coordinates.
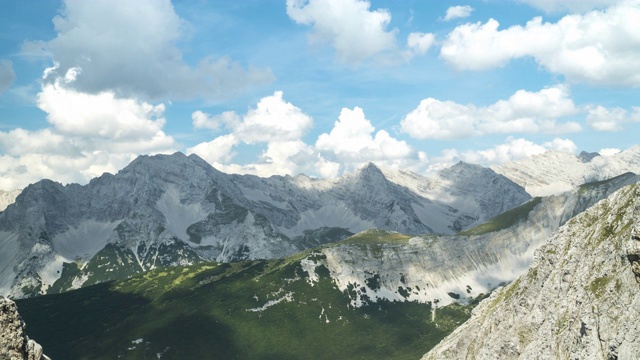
(244, 310)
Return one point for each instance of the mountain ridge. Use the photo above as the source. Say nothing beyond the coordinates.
(578, 298)
(168, 210)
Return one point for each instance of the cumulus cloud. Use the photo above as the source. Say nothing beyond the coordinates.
(216, 151)
(281, 125)
(523, 112)
(598, 47)
(202, 120)
(279, 158)
(273, 118)
(352, 140)
(7, 75)
(419, 43)
(552, 6)
(89, 135)
(458, 12)
(604, 119)
(349, 26)
(609, 151)
(274, 122)
(131, 49)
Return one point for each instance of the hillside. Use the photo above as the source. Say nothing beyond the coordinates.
(275, 309)
(579, 298)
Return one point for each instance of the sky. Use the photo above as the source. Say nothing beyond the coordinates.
(276, 87)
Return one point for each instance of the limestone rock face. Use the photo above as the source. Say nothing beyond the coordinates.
(580, 299)
(14, 343)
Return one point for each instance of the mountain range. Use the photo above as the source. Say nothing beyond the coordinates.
(554, 172)
(243, 256)
(334, 301)
(170, 210)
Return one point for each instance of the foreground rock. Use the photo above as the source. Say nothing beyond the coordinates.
(14, 343)
(580, 298)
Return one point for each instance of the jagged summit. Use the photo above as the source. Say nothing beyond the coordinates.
(587, 156)
(554, 172)
(370, 170)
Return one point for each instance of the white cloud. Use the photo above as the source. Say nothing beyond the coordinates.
(599, 47)
(609, 151)
(202, 120)
(101, 115)
(285, 158)
(603, 119)
(281, 125)
(458, 12)
(89, 135)
(419, 43)
(349, 26)
(7, 75)
(219, 150)
(552, 6)
(352, 141)
(273, 119)
(523, 112)
(130, 48)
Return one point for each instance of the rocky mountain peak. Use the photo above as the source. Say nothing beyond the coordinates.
(587, 156)
(14, 342)
(370, 169)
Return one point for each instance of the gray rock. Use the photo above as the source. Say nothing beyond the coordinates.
(578, 300)
(14, 343)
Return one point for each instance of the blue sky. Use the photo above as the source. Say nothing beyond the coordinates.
(315, 86)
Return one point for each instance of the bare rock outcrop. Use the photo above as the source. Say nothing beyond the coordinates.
(14, 343)
(578, 300)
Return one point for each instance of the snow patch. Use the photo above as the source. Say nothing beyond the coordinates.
(288, 298)
(79, 281)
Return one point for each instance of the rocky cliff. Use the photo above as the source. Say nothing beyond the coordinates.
(14, 343)
(580, 298)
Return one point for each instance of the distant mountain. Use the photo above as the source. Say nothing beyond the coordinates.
(7, 198)
(554, 172)
(170, 210)
(579, 298)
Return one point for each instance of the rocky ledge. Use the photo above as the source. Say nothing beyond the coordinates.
(14, 343)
